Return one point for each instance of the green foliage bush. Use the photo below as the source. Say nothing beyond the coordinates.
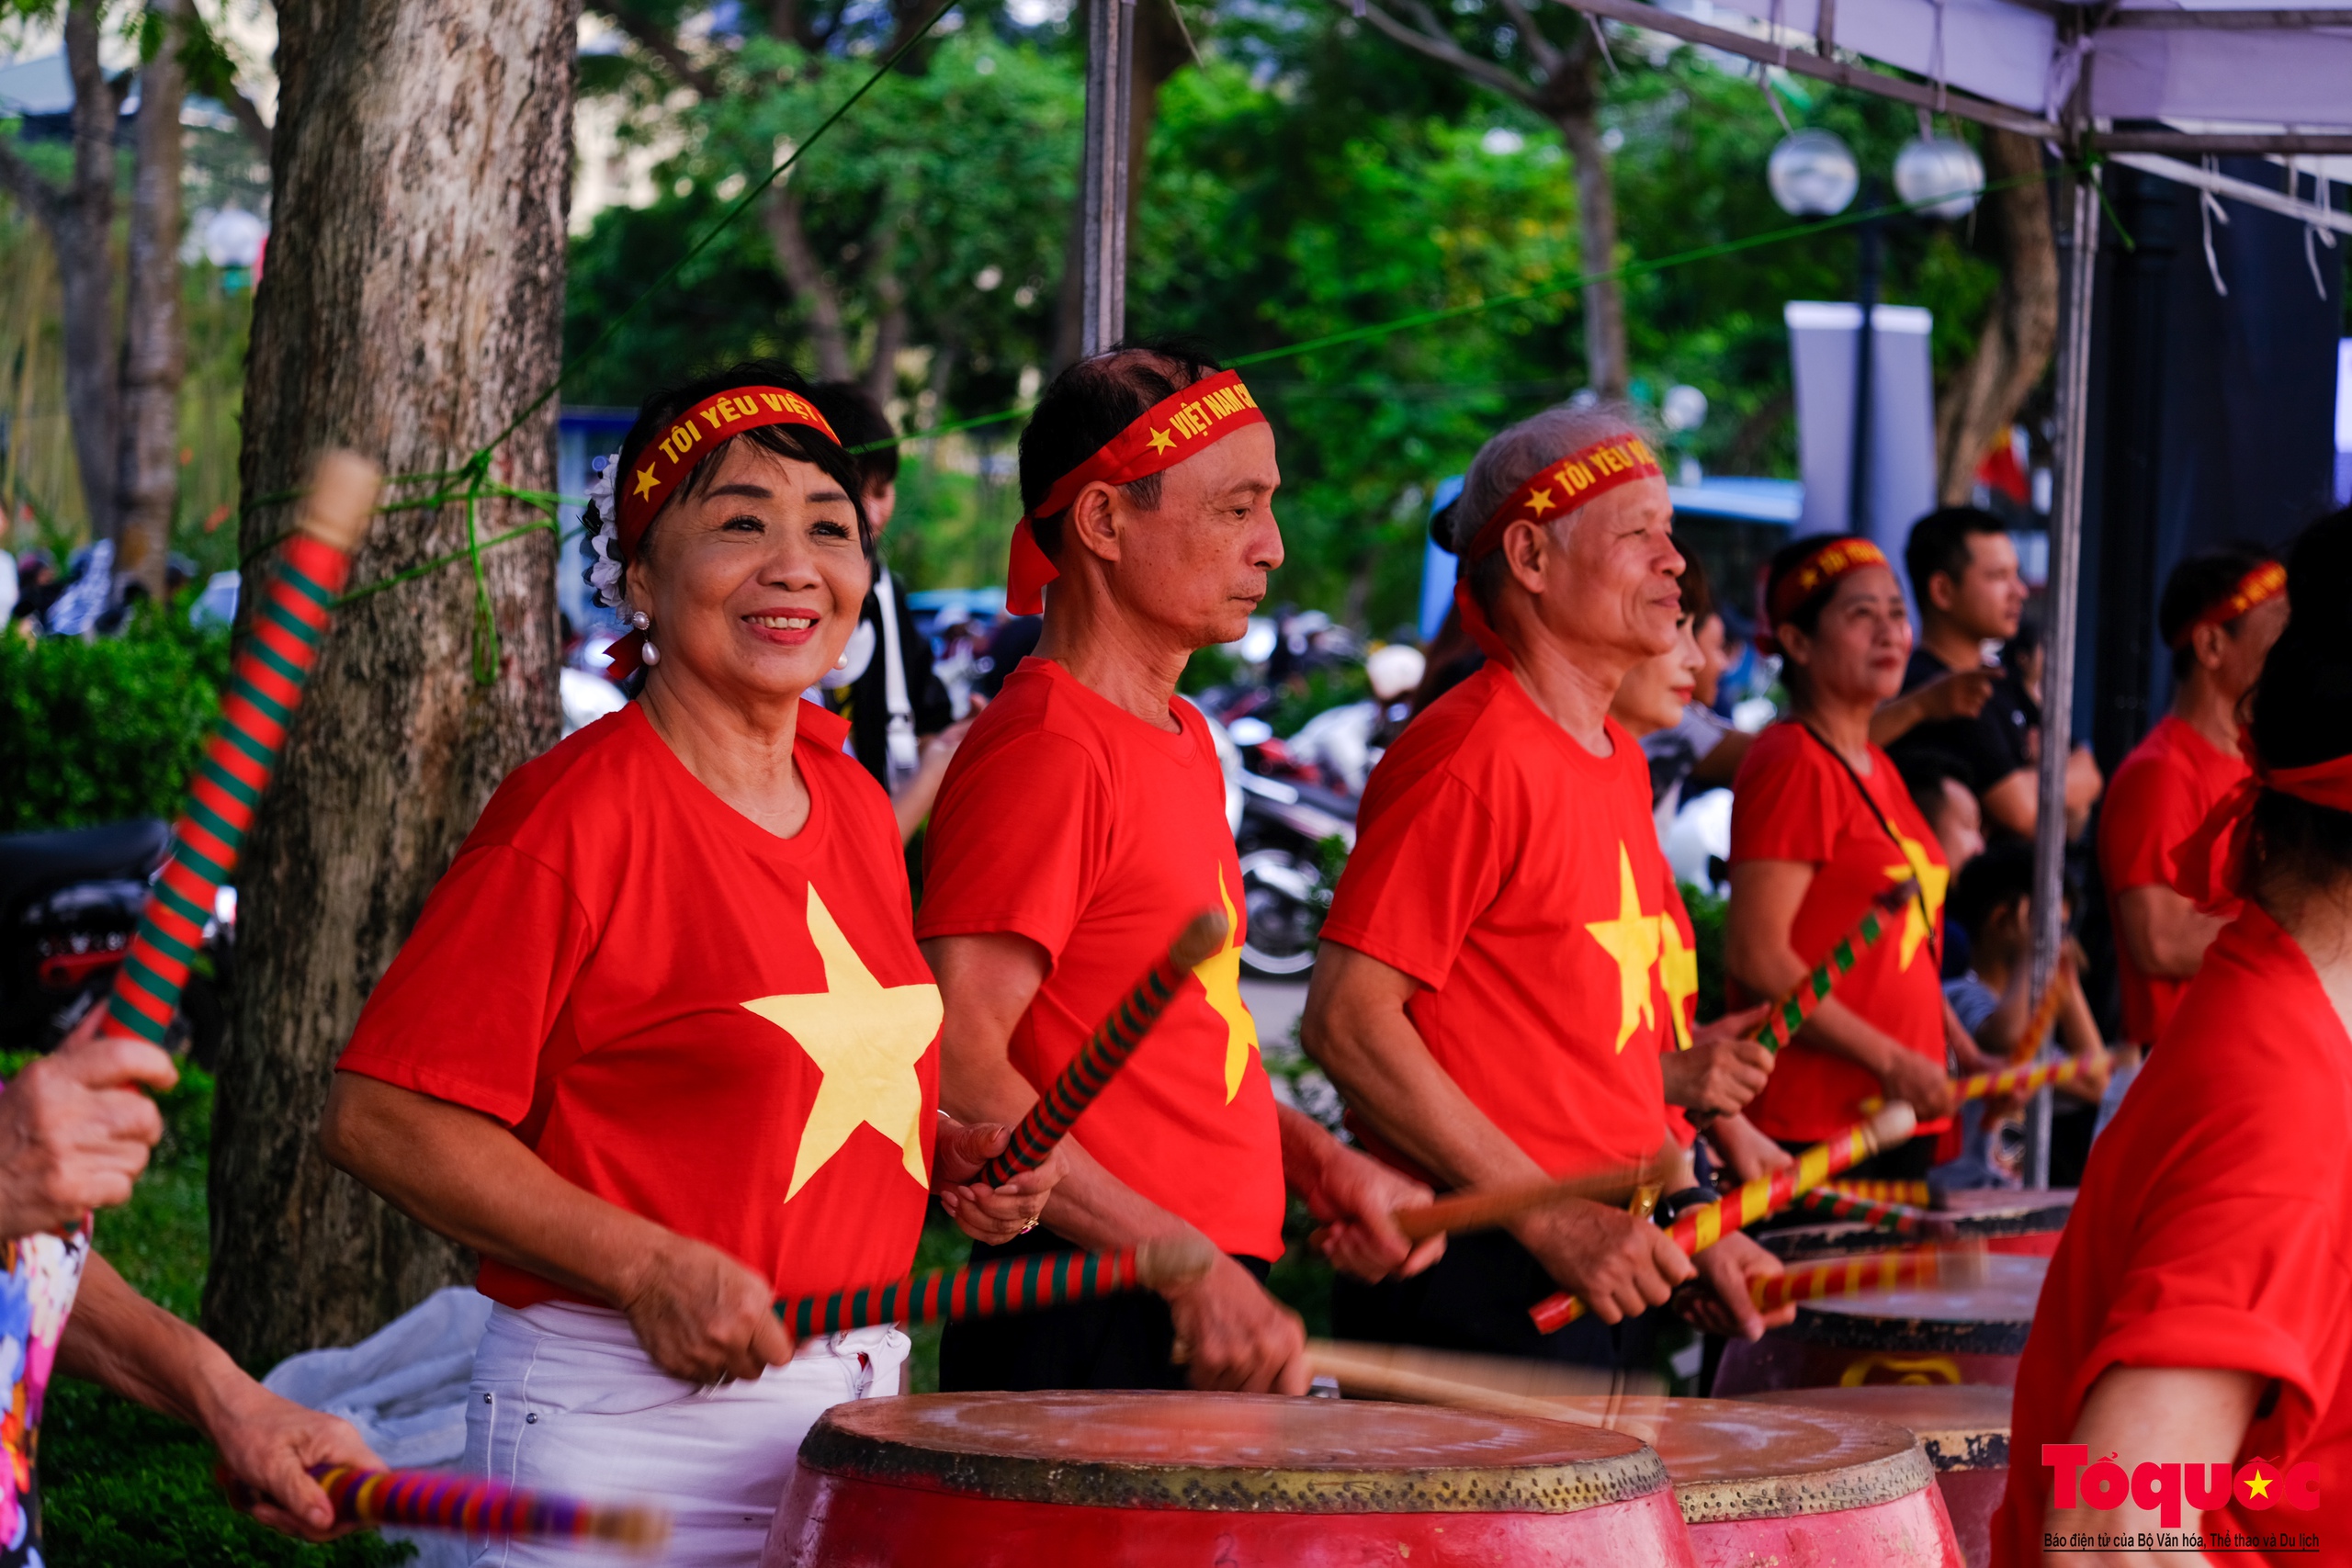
(94, 731)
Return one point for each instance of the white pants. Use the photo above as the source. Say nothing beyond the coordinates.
(565, 1400)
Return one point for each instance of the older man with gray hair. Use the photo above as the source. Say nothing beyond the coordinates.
(1507, 951)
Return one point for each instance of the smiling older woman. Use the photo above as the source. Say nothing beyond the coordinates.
(661, 1048)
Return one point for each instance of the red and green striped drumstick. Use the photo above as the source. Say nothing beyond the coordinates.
(1789, 1013)
(439, 1499)
(1106, 1051)
(264, 687)
(1835, 1203)
(1701, 1228)
(1030, 1283)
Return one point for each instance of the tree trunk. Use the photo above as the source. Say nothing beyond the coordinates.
(412, 306)
(154, 349)
(2021, 333)
(805, 274)
(84, 236)
(1572, 100)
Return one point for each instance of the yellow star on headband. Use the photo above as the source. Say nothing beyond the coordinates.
(1539, 501)
(645, 483)
(1161, 440)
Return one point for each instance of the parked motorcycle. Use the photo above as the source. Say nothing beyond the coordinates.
(1286, 816)
(70, 903)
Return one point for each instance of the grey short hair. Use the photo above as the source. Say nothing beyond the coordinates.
(1516, 455)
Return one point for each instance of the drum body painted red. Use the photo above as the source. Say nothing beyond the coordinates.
(1187, 1479)
(1926, 1334)
(1767, 1484)
(1964, 1430)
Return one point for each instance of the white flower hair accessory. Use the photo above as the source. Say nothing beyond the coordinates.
(604, 576)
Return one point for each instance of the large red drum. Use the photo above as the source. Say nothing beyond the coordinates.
(2027, 1223)
(1761, 1484)
(1924, 1334)
(1159, 1480)
(1964, 1428)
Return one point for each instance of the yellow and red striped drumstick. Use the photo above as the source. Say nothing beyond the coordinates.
(1029, 1283)
(1106, 1051)
(1875, 1271)
(2045, 1014)
(443, 1500)
(264, 687)
(2023, 1080)
(1916, 1194)
(1834, 1203)
(1702, 1227)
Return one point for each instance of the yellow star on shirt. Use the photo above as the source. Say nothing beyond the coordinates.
(866, 1039)
(1161, 440)
(1933, 879)
(645, 482)
(1220, 975)
(1678, 973)
(1632, 939)
(1539, 501)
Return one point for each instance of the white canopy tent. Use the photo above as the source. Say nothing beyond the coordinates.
(2221, 77)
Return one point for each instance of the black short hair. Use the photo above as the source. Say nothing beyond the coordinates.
(1698, 594)
(1924, 769)
(2196, 585)
(1939, 543)
(1993, 880)
(859, 420)
(1087, 407)
(2301, 711)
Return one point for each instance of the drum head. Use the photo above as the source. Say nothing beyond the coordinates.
(1962, 1425)
(1229, 1452)
(1731, 1459)
(1987, 1318)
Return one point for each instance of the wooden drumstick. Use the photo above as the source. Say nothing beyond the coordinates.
(1496, 1385)
(1484, 1207)
(1106, 1051)
(1876, 1272)
(266, 681)
(443, 1500)
(1694, 1232)
(1030, 1283)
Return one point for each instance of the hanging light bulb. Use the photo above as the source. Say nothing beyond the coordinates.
(1812, 174)
(1938, 178)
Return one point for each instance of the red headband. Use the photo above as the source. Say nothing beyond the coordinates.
(1835, 557)
(663, 463)
(2209, 865)
(1556, 489)
(2266, 582)
(1169, 431)
(638, 494)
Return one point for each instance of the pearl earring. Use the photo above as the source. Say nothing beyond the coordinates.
(653, 654)
(843, 663)
(640, 619)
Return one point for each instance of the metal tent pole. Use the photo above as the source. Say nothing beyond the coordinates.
(1110, 74)
(2058, 664)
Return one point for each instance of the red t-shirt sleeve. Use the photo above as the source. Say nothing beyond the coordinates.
(1017, 842)
(2147, 814)
(465, 1008)
(1784, 808)
(1424, 868)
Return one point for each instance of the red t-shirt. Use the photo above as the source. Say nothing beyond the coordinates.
(730, 1034)
(1066, 820)
(2214, 1229)
(1518, 877)
(1793, 801)
(2157, 799)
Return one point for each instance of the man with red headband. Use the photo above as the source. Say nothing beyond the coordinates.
(2220, 613)
(1498, 975)
(1080, 825)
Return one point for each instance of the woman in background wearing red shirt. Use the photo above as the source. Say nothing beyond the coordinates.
(1821, 825)
(660, 1048)
(2193, 1327)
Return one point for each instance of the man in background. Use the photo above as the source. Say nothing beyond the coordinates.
(902, 723)
(1964, 572)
